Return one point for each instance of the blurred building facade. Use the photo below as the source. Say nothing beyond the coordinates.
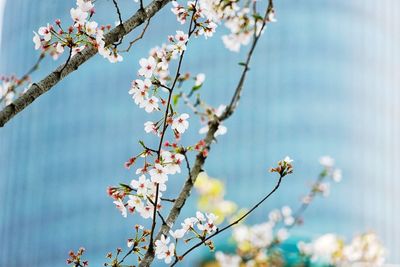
(325, 81)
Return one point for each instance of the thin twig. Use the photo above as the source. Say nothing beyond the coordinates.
(120, 23)
(25, 76)
(68, 59)
(231, 224)
(137, 38)
(304, 205)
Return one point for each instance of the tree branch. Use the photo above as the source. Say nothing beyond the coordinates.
(165, 126)
(37, 89)
(200, 159)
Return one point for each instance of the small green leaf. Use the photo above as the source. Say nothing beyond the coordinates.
(196, 87)
(258, 16)
(175, 99)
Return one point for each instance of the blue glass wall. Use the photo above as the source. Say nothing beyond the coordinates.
(324, 81)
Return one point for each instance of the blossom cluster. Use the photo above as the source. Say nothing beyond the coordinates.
(142, 191)
(240, 21)
(8, 87)
(253, 241)
(243, 24)
(284, 167)
(205, 223)
(365, 248)
(84, 32)
(322, 186)
(76, 258)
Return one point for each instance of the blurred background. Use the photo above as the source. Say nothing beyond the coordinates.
(325, 81)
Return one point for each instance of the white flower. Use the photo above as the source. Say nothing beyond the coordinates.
(324, 188)
(287, 160)
(91, 27)
(120, 205)
(179, 11)
(83, 5)
(149, 126)
(147, 211)
(147, 66)
(200, 78)
(77, 50)
(161, 245)
(130, 242)
(45, 32)
(261, 235)
(169, 253)
(289, 220)
(135, 203)
(282, 234)
(200, 216)
(177, 233)
(78, 16)
(150, 104)
(337, 175)
(181, 37)
(226, 260)
(139, 90)
(158, 174)
(189, 223)
(325, 247)
(172, 161)
(241, 233)
(114, 57)
(180, 124)
(275, 216)
(327, 162)
(59, 48)
(177, 48)
(36, 40)
(286, 211)
(208, 226)
(365, 248)
(271, 16)
(141, 185)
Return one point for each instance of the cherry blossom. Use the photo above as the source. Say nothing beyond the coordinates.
(158, 174)
(84, 5)
(135, 203)
(147, 211)
(150, 127)
(207, 225)
(181, 37)
(172, 161)
(37, 41)
(91, 27)
(150, 104)
(164, 249)
(141, 185)
(180, 124)
(169, 253)
(45, 32)
(121, 206)
(226, 260)
(78, 16)
(147, 66)
(200, 78)
(161, 245)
